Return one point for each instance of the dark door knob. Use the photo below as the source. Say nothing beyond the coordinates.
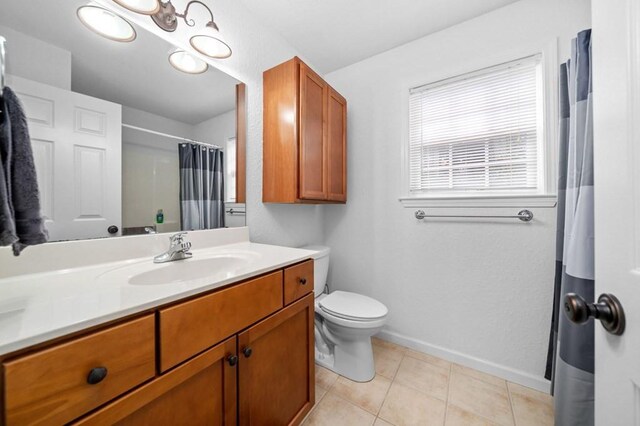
(247, 352)
(112, 229)
(96, 375)
(303, 281)
(608, 310)
(232, 360)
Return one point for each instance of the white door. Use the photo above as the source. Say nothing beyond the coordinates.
(76, 142)
(616, 94)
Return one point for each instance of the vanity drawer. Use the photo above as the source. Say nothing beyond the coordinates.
(298, 281)
(51, 386)
(191, 327)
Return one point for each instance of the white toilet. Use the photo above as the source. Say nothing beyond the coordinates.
(345, 322)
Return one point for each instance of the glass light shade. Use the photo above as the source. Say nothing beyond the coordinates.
(210, 45)
(106, 23)
(186, 62)
(145, 7)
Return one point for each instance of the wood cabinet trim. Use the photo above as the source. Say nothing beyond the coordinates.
(241, 142)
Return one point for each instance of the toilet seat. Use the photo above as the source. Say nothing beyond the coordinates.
(352, 306)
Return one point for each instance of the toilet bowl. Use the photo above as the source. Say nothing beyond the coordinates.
(344, 324)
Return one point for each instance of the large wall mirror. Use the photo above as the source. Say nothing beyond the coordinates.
(124, 142)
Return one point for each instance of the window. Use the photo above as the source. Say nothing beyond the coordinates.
(479, 133)
(230, 165)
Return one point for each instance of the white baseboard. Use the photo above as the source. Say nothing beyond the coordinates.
(507, 373)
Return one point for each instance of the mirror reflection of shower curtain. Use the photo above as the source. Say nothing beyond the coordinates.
(201, 187)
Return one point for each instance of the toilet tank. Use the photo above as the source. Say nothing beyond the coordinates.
(320, 267)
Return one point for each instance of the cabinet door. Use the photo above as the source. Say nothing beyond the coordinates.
(277, 367)
(337, 146)
(313, 149)
(202, 391)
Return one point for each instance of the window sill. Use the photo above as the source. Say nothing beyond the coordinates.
(477, 201)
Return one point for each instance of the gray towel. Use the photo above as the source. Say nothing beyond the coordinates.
(20, 176)
(8, 234)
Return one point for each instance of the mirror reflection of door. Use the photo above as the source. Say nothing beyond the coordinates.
(107, 120)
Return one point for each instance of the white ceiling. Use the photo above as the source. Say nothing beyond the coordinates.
(136, 74)
(335, 33)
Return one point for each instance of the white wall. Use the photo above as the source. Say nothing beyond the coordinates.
(218, 129)
(24, 51)
(150, 181)
(477, 292)
(150, 170)
(256, 48)
(147, 120)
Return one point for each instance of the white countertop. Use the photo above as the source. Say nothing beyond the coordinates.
(38, 307)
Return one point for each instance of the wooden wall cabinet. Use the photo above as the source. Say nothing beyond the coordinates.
(304, 137)
(241, 355)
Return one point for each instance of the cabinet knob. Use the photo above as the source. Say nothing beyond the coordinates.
(303, 281)
(232, 360)
(96, 375)
(247, 352)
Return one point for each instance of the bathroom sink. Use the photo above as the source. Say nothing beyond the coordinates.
(211, 266)
(188, 270)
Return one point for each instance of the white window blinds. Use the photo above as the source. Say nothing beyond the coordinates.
(478, 132)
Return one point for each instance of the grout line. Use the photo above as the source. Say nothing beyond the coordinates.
(446, 402)
(393, 380)
(513, 411)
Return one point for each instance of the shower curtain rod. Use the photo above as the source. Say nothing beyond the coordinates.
(180, 138)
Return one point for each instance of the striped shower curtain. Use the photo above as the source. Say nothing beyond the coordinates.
(570, 360)
(201, 187)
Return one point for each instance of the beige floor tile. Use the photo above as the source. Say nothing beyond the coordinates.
(388, 345)
(428, 358)
(325, 378)
(479, 375)
(380, 422)
(531, 407)
(333, 410)
(386, 361)
(458, 417)
(482, 398)
(424, 376)
(406, 406)
(369, 395)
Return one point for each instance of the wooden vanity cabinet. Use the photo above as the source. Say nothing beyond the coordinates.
(276, 368)
(304, 137)
(243, 354)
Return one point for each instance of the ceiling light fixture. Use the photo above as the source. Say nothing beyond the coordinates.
(208, 43)
(145, 7)
(186, 62)
(106, 23)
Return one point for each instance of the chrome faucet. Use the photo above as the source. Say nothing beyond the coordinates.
(178, 249)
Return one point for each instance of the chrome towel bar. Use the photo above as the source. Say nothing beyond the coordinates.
(523, 215)
(236, 212)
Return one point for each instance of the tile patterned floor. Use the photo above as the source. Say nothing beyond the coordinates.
(412, 388)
